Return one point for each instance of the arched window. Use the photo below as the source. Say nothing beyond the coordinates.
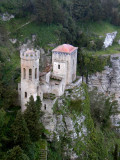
(35, 73)
(58, 66)
(24, 73)
(30, 74)
(25, 94)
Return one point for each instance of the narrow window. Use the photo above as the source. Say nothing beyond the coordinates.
(58, 66)
(35, 73)
(73, 62)
(45, 106)
(25, 94)
(24, 73)
(30, 74)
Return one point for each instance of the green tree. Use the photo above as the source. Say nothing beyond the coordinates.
(102, 108)
(16, 154)
(20, 131)
(32, 118)
(89, 64)
(9, 97)
(43, 11)
(87, 10)
(3, 35)
(115, 154)
(3, 130)
(40, 10)
(38, 104)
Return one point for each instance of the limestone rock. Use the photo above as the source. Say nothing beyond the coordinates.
(33, 37)
(108, 82)
(109, 39)
(42, 51)
(60, 123)
(118, 41)
(13, 41)
(6, 16)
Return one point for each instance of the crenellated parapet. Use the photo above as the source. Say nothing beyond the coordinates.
(30, 54)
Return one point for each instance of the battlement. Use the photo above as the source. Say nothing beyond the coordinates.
(30, 54)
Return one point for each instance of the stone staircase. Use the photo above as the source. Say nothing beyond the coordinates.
(43, 150)
(43, 154)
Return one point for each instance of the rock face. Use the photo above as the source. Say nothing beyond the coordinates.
(6, 16)
(61, 123)
(13, 41)
(109, 39)
(108, 82)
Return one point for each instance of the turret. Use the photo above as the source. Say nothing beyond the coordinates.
(29, 75)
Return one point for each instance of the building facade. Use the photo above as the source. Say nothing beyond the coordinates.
(52, 81)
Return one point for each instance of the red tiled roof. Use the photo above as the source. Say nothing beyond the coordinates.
(66, 48)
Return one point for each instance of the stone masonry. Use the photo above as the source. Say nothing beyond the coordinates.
(52, 81)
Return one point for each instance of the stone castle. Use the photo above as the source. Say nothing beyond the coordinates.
(52, 81)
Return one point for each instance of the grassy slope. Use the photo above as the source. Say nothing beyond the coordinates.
(45, 33)
(101, 28)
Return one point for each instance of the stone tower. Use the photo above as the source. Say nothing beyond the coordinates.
(29, 75)
(64, 61)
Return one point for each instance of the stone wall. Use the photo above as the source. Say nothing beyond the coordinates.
(55, 87)
(68, 65)
(29, 75)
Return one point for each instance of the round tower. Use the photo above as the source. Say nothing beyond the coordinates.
(29, 75)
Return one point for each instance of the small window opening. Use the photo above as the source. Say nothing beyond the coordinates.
(45, 106)
(73, 62)
(25, 94)
(58, 66)
(35, 73)
(30, 74)
(24, 73)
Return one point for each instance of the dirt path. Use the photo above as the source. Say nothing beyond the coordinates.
(22, 26)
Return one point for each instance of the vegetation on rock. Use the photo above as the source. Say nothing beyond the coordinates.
(82, 23)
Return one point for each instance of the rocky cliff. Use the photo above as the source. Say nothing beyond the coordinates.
(65, 123)
(108, 82)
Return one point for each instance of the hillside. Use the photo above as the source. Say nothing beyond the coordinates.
(83, 123)
(101, 29)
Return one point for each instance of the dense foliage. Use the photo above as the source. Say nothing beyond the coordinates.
(89, 64)
(19, 137)
(21, 134)
(102, 108)
(32, 118)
